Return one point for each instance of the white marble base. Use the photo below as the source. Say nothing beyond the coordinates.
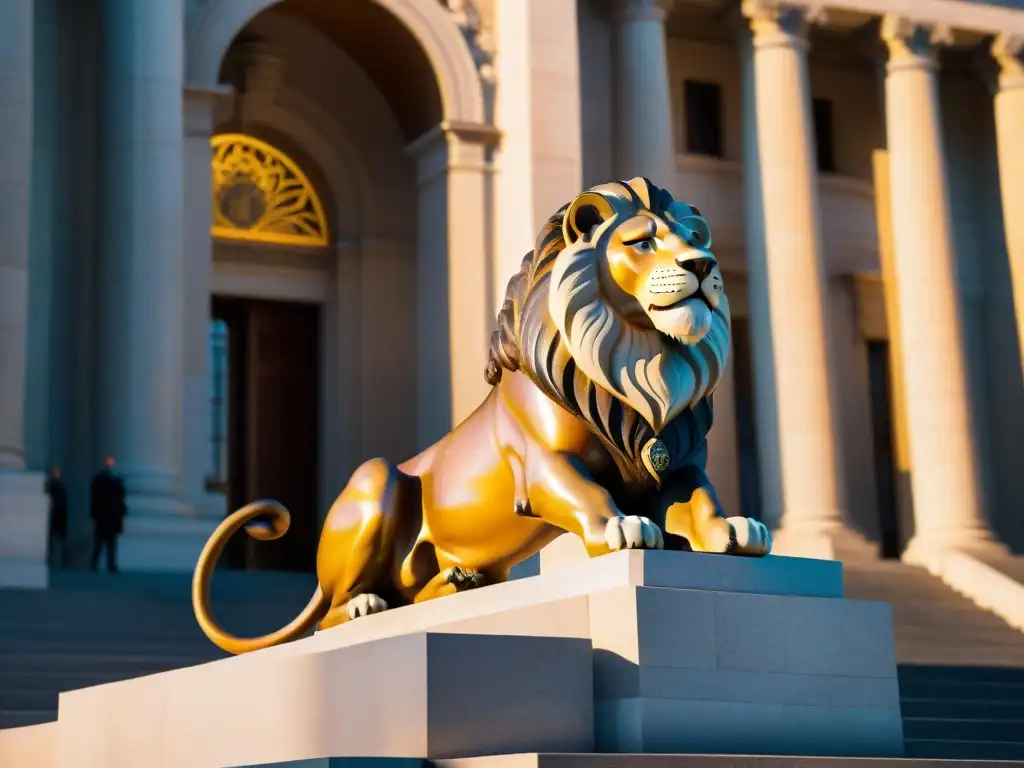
(24, 530)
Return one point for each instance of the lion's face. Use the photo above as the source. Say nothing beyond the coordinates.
(657, 272)
(638, 298)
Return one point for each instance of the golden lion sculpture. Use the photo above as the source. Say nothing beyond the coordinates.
(610, 342)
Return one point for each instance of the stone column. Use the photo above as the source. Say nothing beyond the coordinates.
(947, 497)
(794, 273)
(453, 277)
(23, 506)
(141, 275)
(537, 109)
(1009, 117)
(199, 119)
(16, 33)
(645, 143)
(759, 321)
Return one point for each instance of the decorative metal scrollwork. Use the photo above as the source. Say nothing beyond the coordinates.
(261, 195)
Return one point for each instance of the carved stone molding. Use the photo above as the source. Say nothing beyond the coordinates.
(474, 18)
(778, 23)
(1006, 51)
(912, 44)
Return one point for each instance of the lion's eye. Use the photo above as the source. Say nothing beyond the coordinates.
(646, 245)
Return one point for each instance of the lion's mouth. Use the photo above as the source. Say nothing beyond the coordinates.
(678, 304)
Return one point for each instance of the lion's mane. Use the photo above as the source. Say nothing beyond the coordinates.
(625, 382)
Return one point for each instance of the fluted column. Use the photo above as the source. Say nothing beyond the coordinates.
(945, 481)
(141, 264)
(16, 32)
(1009, 118)
(644, 139)
(454, 311)
(795, 280)
(23, 505)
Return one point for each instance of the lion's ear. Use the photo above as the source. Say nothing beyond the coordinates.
(586, 212)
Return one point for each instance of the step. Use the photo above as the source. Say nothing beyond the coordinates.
(17, 718)
(945, 749)
(949, 707)
(911, 673)
(992, 692)
(965, 729)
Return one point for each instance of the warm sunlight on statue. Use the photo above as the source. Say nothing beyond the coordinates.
(610, 343)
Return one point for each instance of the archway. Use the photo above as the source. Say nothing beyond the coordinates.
(265, 361)
(392, 263)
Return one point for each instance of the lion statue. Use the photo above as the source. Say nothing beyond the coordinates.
(609, 345)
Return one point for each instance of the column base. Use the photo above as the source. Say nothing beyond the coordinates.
(162, 536)
(927, 551)
(833, 542)
(24, 530)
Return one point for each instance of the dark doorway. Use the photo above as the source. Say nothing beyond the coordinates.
(272, 434)
(746, 419)
(879, 381)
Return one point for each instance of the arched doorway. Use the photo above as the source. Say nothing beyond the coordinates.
(401, 188)
(265, 362)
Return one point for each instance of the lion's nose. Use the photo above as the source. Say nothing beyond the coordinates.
(701, 267)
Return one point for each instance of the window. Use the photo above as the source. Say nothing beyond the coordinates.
(218, 361)
(261, 195)
(822, 115)
(703, 105)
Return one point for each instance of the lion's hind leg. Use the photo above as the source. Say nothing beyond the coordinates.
(357, 539)
(453, 580)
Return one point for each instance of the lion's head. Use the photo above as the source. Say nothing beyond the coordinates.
(621, 292)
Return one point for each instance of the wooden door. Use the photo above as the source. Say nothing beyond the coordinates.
(282, 346)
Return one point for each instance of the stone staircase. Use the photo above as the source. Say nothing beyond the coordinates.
(961, 669)
(99, 628)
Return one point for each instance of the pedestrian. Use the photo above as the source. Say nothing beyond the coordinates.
(58, 518)
(108, 511)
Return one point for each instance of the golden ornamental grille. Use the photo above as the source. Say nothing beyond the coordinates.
(260, 194)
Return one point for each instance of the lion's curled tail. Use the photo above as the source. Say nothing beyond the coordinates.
(265, 521)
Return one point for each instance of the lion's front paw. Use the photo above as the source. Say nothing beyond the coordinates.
(751, 536)
(632, 532)
(364, 605)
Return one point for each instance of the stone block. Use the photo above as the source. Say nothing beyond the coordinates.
(677, 570)
(31, 746)
(669, 664)
(25, 521)
(419, 695)
(746, 728)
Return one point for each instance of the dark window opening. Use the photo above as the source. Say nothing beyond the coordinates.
(703, 105)
(886, 476)
(823, 134)
(746, 419)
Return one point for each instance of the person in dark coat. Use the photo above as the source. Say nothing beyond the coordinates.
(58, 516)
(108, 511)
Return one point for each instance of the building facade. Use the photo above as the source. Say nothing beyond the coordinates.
(379, 167)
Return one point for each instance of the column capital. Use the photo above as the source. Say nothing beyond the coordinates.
(912, 44)
(641, 10)
(452, 145)
(200, 104)
(776, 23)
(1006, 51)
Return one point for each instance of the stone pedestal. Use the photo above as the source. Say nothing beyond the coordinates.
(24, 530)
(663, 652)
